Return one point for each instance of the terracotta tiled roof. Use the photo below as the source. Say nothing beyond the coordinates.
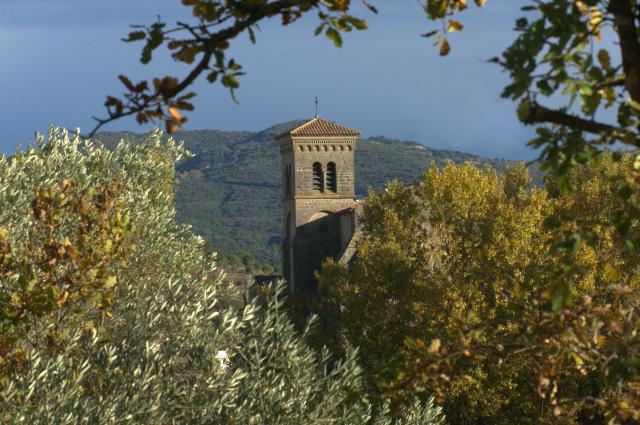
(320, 127)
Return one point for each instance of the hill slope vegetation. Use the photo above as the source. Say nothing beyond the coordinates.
(230, 190)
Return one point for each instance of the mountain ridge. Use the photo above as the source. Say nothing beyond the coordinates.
(230, 190)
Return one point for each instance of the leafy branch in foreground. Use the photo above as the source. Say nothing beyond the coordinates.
(597, 344)
(203, 46)
(565, 51)
(55, 277)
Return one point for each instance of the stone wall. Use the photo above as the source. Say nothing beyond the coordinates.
(314, 232)
(305, 208)
(305, 155)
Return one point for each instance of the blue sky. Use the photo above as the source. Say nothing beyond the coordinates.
(62, 57)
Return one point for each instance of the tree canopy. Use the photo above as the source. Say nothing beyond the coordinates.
(460, 269)
(110, 311)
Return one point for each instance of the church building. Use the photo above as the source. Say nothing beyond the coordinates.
(318, 199)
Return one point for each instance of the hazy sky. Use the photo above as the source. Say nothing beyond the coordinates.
(62, 57)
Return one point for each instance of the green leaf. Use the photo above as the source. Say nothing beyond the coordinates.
(585, 88)
(252, 35)
(625, 192)
(544, 87)
(333, 35)
(359, 24)
(552, 222)
(562, 295)
(624, 115)
(212, 77)
(145, 58)
(135, 36)
(611, 274)
(524, 109)
(230, 81)
(635, 105)
(577, 359)
(604, 59)
(629, 246)
(564, 184)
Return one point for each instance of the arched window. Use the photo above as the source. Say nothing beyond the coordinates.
(318, 178)
(331, 177)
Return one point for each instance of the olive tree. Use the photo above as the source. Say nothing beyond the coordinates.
(112, 312)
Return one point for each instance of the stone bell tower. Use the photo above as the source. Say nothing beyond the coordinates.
(318, 198)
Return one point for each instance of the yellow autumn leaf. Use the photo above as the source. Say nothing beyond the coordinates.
(63, 299)
(445, 48)
(611, 274)
(579, 361)
(434, 347)
(110, 282)
(595, 21)
(583, 7)
(454, 26)
(174, 112)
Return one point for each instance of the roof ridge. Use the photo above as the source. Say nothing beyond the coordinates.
(320, 127)
(301, 126)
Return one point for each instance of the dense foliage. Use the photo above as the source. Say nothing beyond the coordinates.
(561, 327)
(586, 51)
(462, 267)
(109, 310)
(230, 191)
(449, 248)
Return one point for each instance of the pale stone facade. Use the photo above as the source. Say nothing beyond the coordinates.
(318, 172)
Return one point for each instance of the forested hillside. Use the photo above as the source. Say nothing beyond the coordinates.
(230, 190)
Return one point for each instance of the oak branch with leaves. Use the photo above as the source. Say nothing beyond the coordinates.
(560, 52)
(203, 44)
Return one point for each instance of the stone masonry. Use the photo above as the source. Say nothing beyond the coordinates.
(315, 154)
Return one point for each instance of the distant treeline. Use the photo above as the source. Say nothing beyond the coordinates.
(230, 190)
